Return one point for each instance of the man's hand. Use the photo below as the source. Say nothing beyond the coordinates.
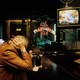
(19, 43)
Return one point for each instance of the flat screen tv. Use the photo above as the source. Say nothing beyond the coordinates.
(68, 17)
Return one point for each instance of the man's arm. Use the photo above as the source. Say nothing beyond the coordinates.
(15, 61)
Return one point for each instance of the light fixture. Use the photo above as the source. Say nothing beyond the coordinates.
(66, 2)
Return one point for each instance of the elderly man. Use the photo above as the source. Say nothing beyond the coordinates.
(15, 61)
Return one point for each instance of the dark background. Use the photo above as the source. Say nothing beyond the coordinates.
(34, 8)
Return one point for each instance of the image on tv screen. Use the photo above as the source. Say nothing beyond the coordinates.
(68, 16)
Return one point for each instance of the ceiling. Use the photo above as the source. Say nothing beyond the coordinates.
(24, 8)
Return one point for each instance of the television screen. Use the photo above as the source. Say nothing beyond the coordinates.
(68, 17)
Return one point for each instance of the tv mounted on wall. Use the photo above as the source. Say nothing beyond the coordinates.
(68, 17)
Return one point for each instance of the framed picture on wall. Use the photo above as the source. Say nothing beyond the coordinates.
(18, 27)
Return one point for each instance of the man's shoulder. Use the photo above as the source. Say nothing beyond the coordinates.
(5, 47)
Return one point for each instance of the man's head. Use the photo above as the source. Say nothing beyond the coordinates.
(18, 41)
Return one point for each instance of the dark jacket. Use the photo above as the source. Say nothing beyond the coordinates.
(12, 65)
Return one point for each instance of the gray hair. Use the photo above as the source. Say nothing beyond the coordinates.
(24, 39)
